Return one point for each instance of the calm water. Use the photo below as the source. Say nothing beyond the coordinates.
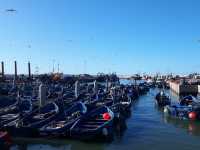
(147, 129)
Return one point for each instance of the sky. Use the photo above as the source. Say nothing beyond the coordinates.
(91, 36)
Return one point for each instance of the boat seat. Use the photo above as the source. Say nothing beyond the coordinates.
(89, 126)
(93, 122)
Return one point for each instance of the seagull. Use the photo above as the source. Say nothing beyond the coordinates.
(91, 38)
(11, 10)
(29, 46)
(69, 40)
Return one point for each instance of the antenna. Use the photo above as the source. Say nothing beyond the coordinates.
(53, 65)
(2, 69)
(15, 62)
(58, 67)
(29, 70)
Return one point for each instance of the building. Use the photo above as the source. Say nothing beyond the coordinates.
(182, 87)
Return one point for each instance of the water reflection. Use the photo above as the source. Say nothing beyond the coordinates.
(42, 144)
(120, 129)
(192, 127)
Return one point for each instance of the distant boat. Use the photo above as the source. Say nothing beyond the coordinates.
(188, 108)
(162, 99)
(187, 100)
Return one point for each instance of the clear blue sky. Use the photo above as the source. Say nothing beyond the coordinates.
(123, 36)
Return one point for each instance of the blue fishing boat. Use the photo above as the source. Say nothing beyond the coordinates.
(24, 108)
(41, 116)
(96, 125)
(4, 91)
(7, 104)
(126, 102)
(28, 126)
(162, 99)
(187, 100)
(61, 125)
(187, 109)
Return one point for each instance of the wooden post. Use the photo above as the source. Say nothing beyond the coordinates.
(2, 69)
(29, 70)
(15, 69)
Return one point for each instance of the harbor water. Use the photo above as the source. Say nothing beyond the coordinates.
(147, 129)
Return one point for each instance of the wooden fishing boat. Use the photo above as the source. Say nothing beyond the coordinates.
(29, 125)
(126, 102)
(4, 91)
(96, 125)
(61, 125)
(187, 109)
(41, 116)
(162, 99)
(24, 108)
(7, 104)
(188, 100)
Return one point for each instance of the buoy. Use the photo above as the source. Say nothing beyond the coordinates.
(106, 116)
(192, 115)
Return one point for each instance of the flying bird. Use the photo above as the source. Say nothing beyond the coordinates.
(69, 41)
(92, 38)
(11, 10)
(29, 46)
